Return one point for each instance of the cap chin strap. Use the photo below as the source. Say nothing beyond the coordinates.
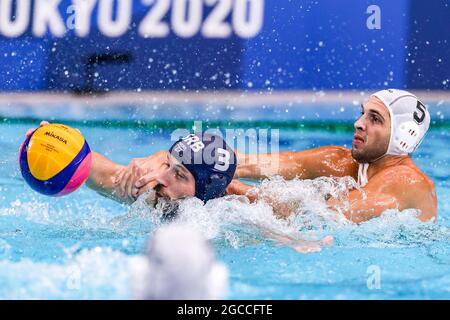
(214, 188)
(362, 170)
(362, 174)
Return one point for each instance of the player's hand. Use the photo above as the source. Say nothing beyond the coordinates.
(139, 176)
(30, 131)
(304, 246)
(296, 243)
(237, 187)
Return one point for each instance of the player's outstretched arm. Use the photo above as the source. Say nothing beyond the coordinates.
(308, 164)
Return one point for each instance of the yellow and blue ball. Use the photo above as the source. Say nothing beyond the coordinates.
(55, 160)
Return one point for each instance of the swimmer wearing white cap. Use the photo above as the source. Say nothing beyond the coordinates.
(392, 125)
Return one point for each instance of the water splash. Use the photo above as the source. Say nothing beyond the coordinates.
(393, 229)
(99, 273)
(234, 221)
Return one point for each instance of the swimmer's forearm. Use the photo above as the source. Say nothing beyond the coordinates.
(239, 188)
(260, 166)
(280, 209)
(333, 161)
(102, 176)
(289, 165)
(361, 209)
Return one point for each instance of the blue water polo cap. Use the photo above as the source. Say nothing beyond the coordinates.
(210, 160)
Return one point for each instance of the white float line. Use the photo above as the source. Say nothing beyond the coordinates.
(232, 98)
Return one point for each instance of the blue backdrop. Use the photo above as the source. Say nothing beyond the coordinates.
(322, 44)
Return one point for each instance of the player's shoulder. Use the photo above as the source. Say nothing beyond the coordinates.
(407, 174)
(337, 151)
(400, 170)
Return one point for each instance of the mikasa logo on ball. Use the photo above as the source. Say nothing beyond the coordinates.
(51, 134)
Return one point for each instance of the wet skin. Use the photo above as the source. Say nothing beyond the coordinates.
(395, 182)
(160, 172)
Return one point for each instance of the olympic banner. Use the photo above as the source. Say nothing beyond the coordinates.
(103, 45)
(114, 18)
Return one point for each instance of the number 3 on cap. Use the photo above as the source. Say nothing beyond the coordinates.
(224, 157)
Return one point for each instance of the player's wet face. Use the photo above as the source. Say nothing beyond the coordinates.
(174, 180)
(372, 131)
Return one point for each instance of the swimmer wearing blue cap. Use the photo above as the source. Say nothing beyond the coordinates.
(200, 165)
(392, 125)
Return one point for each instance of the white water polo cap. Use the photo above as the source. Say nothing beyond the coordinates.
(410, 120)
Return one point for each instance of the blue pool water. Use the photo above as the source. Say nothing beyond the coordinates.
(84, 246)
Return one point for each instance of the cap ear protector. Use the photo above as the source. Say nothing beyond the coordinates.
(215, 187)
(407, 138)
(410, 120)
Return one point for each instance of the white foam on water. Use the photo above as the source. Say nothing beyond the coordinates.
(233, 218)
(234, 221)
(98, 273)
(393, 229)
(5, 249)
(74, 215)
(238, 222)
(31, 210)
